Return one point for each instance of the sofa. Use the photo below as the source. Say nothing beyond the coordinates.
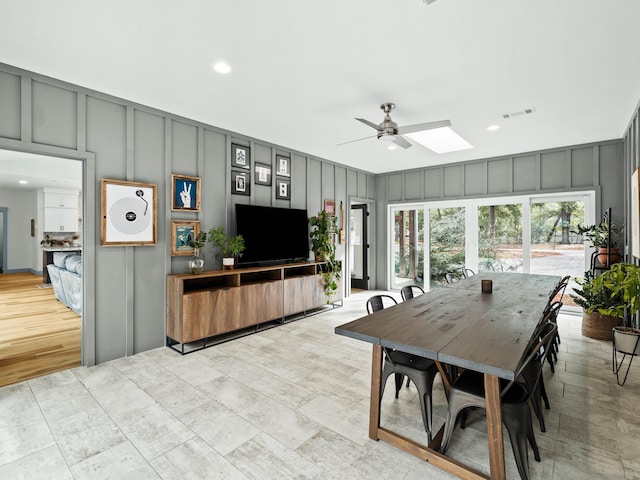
(66, 278)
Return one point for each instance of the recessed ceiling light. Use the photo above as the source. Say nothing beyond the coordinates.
(22, 182)
(392, 147)
(222, 67)
(492, 128)
(440, 140)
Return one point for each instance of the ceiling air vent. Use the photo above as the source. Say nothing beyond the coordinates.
(519, 113)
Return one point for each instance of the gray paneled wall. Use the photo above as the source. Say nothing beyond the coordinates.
(631, 163)
(125, 286)
(585, 167)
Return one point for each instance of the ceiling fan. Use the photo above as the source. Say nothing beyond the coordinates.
(389, 130)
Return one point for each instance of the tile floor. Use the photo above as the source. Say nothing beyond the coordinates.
(292, 402)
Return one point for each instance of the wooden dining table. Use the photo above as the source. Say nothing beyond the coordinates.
(458, 326)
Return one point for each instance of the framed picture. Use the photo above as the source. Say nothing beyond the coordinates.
(240, 156)
(241, 183)
(283, 166)
(283, 189)
(129, 212)
(262, 174)
(185, 193)
(182, 233)
(330, 207)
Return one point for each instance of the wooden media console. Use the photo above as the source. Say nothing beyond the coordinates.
(218, 305)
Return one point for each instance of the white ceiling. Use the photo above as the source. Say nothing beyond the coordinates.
(38, 171)
(303, 70)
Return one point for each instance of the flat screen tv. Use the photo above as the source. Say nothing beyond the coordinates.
(272, 235)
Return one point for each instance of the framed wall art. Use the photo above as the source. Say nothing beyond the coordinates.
(262, 174)
(240, 183)
(330, 207)
(240, 156)
(185, 193)
(128, 213)
(182, 234)
(283, 166)
(283, 189)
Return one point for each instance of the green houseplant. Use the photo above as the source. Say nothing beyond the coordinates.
(605, 238)
(323, 228)
(230, 247)
(610, 301)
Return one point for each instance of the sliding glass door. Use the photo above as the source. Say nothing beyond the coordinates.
(500, 238)
(530, 234)
(407, 247)
(446, 242)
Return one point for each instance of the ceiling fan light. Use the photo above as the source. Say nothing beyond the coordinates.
(387, 137)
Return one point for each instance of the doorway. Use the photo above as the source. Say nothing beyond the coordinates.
(359, 247)
(41, 333)
(3, 238)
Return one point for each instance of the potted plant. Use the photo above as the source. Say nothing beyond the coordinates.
(611, 302)
(230, 247)
(323, 228)
(604, 238)
(196, 262)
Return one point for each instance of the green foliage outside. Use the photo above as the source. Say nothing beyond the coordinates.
(500, 236)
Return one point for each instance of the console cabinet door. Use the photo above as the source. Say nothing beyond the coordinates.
(213, 312)
(303, 293)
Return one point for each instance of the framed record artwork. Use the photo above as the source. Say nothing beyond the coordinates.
(128, 213)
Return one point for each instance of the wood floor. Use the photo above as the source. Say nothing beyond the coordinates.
(38, 334)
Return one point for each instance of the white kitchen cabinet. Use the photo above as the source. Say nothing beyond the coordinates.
(54, 199)
(60, 211)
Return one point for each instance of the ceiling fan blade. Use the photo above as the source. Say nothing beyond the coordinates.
(367, 122)
(351, 141)
(419, 127)
(402, 142)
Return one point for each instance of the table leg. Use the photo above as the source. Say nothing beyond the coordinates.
(494, 426)
(374, 409)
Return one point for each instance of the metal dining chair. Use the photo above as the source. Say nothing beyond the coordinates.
(468, 391)
(450, 277)
(467, 272)
(421, 371)
(409, 291)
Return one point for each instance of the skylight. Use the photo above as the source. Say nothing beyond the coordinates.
(440, 140)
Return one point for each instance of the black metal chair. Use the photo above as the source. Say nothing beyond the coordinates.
(551, 314)
(467, 272)
(421, 371)
(540, 393)
(468, 391)
(409, 291)
(560, 287)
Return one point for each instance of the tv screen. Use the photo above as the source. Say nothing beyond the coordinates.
(272, 235)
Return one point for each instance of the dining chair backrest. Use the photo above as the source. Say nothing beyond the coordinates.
(559, 288)
(450, 277)
(376, 302)
(467, 272)
(407, 291)
(551, 312)
(536, 352)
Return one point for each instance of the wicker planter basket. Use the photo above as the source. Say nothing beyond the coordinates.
(598, 326)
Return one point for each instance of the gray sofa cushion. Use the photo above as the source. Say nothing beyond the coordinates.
(73, 263)
(66, 278)
(54, 276)
(59, 258)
